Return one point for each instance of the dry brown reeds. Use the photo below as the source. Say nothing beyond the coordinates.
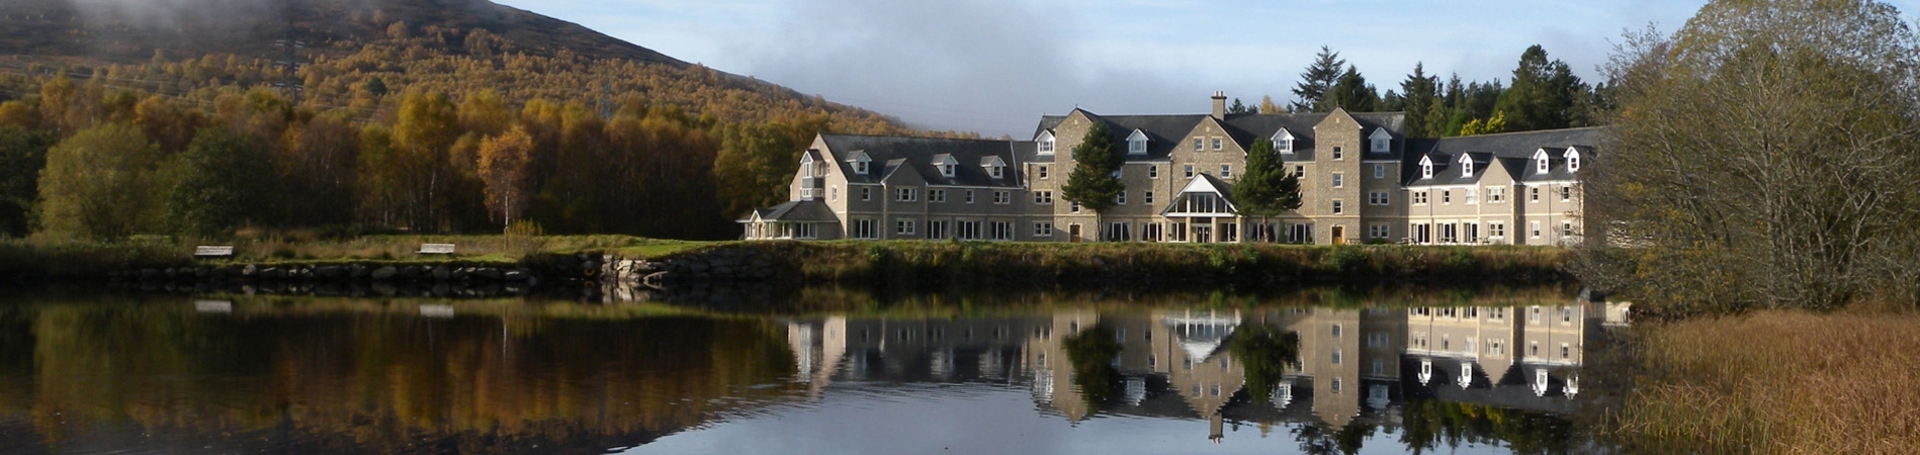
(1777, 382)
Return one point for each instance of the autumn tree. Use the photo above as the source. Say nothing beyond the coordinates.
(1762, 157)
(1266, 188)
(505, 162)
(1092, 184)
(101, 184)
(755, 165)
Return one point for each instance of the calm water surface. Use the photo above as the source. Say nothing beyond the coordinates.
(1316, 371)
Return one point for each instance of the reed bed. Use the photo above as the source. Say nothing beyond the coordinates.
(1776, 382)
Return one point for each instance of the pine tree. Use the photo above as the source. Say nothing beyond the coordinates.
(1351, 92)
(1317, 80)
(1543, 93)
(1266, 188)
(1419, 92)
(1092, 183)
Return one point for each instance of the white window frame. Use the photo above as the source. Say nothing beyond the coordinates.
(1146, 197)
(1534, 228)
(1338, 154)
(1339, 207)
(1379, 198)
(1379, 171)
(1189, 170)
(1002, 197)
(905, 194)
(866, 193)
(936, 195)
(1121, 198)
(1043, 229)
(1043, 197)
(1153, 172)
(1041, 171)
(1339, 180)
(1226, 171)
(905, 226)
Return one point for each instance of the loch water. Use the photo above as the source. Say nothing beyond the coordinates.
(815, 370)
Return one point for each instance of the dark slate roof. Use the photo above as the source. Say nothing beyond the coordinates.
(795, 211)
(891, 153)
(1512, 150)
(1246, 128)
(1166, 132)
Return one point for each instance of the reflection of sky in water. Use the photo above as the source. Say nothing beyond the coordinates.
(974, 419)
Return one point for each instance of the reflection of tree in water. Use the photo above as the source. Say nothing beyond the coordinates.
(1429, 423)
(1316, 438)
(1264, 353)
(381, 382)
(1092, 352)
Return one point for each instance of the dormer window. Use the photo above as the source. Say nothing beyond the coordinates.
(995, 167)
(1573, 160)
(1466, 166)
(1426, 167)
(1283, 141)
(1137, 143)
(1382, 141)
(860, 163)
(947, 165)
(1046, 143)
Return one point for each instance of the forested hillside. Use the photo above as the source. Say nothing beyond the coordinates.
(426, 115)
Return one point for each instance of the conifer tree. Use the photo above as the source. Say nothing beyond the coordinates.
(1317, 80)
(1419, 92)
(1092, 183)
(1266, 188)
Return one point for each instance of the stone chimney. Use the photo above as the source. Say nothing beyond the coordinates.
(1220, 105)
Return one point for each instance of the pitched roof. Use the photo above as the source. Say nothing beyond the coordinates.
(1513, 150)
(794, 211)
(918, 155)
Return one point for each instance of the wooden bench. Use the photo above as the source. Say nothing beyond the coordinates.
(436, 248)
(212, 252)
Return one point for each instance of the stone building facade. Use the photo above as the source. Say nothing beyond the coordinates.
(1362, 181)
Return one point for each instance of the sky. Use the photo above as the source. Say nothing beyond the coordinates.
(996, 66)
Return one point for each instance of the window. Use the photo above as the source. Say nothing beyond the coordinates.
(1046, 144)
(1377, 198)
(1197, 144)
(1496, 195)
(1043, 229)
(860, 167)
(1002, 197)
(1446, 197)
(969, 230)
(1378, 231)
(1118, 173)
(1146, 197)
(1189, 171)
(1566, 228)
(1496, 230)
(1073, 206)
(1566, 314)
(1379, 171)
(1153, 172)
(1300, 171)
(946, 170)
(1534, 227)
(1426, 170)
(1337, 153)
(1119, 232)
(1335, 357)
(1566, 193)
(1120, 199)
(1336, 331)
(937, 230)
(1042, 172)
(1540, 164)
(904, 194)
(1339, 180)
(1533, 314)
(969, 196)
(1216, 143)
(1339, 208)
(1002, 230)
(1565, 351)
(903, 226)
(1137, 145)
(1573, 162)
(1419, 198)
(1473, 195)
(1380, 145)
(997, 171)
(1226, 171)
(1533, 348)
(866, 193)
(936, 195)
(1043, 197)
(1533, 195)
(864, 229)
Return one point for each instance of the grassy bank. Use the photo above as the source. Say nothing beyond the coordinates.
(37, 259)
(1776, 382)
(1007, 263)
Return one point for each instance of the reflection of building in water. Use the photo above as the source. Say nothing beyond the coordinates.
(1355, 366)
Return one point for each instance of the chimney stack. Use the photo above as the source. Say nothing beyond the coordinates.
(1220, 105)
